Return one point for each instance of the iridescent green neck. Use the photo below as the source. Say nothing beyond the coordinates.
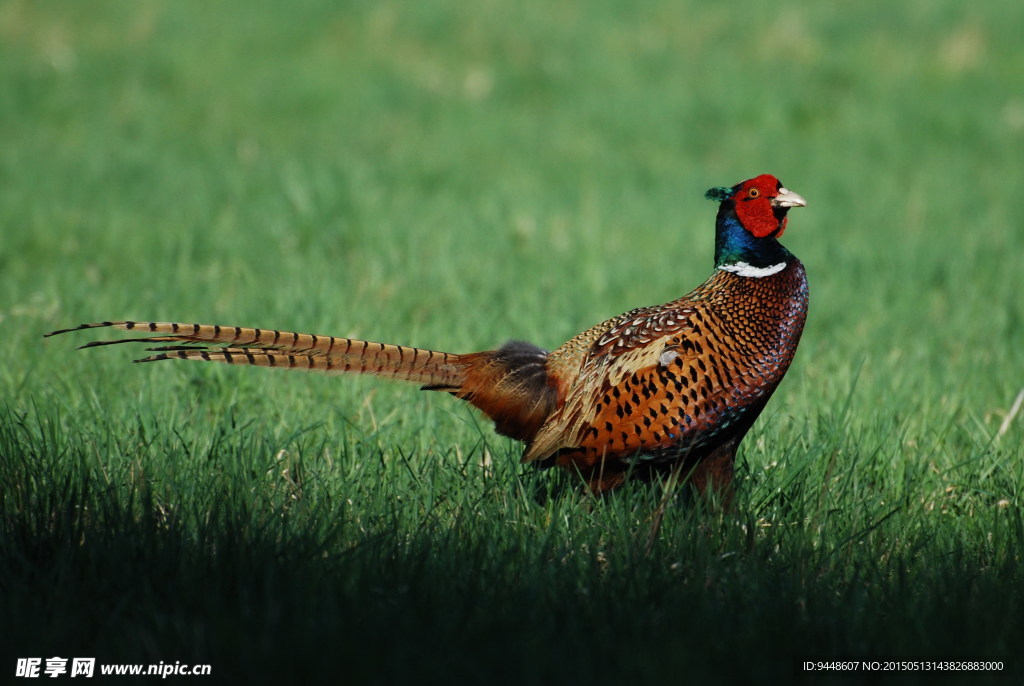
(735, 245)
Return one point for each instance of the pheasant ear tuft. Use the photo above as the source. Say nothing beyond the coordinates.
(719, 193)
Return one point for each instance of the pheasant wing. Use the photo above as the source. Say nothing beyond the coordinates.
(630, 386)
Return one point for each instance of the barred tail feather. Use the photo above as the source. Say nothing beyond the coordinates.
(510, 384)
(289, 350)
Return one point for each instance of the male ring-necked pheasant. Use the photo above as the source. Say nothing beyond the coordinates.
(674, 386)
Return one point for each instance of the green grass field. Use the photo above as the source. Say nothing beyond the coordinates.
(450, 175)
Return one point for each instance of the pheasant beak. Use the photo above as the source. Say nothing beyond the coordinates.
(787, 198)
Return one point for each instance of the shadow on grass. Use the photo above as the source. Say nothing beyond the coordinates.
(466, 578)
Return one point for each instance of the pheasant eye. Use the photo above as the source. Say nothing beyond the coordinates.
(753, 193)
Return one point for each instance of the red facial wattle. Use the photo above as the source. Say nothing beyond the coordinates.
(755, 210)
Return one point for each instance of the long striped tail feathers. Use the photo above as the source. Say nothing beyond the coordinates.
(287, 350)
(510, 384)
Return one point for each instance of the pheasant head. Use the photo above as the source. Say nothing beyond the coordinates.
(751, 217)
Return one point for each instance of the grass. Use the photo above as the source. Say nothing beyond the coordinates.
(450, 175)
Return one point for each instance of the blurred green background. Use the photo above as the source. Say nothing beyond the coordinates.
(450, 175)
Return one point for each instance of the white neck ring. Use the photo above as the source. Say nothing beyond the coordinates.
(744, 269)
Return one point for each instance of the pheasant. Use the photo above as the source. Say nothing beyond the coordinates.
(669, 387)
